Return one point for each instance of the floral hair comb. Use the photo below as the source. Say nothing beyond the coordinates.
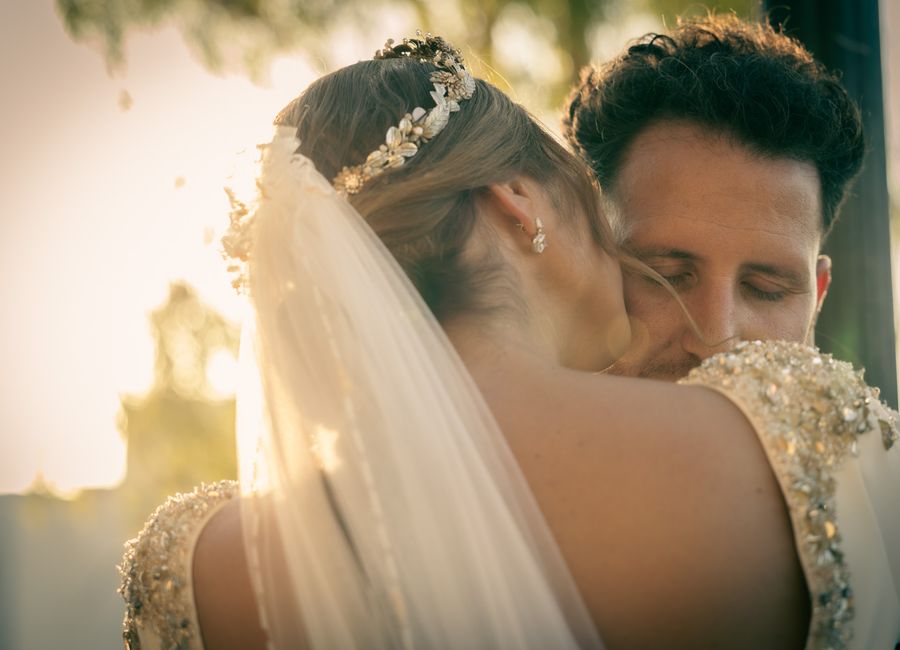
(452, 84)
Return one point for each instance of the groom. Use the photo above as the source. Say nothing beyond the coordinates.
(724, 151)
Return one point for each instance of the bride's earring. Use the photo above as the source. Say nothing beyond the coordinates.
(539, 241)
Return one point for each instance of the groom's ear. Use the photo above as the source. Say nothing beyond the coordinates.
(823, 280)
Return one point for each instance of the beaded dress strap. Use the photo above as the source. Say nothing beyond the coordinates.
(156, 570)
(808, 410)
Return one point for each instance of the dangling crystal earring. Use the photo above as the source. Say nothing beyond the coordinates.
(539, 241)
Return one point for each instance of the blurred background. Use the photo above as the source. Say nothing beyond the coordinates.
(123, 120)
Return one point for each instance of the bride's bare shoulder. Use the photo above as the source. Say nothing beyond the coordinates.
(186, 580)
(665, 507)
(226, 607)
(157, 568)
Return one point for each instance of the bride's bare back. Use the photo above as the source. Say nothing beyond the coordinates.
(659, 496)
(663, 504)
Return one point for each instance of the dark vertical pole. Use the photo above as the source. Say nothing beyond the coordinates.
(857, 323)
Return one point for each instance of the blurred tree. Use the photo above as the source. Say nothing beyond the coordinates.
(257, 28)
(179, 434)
(857, 321)
(670, 10)
(252, 31)
(543, 44)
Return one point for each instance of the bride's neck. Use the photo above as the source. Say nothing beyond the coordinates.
(482, 340)
(487, 339)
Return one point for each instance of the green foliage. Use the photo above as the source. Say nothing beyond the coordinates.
(219, 30)
(670, 10)
(248, 33)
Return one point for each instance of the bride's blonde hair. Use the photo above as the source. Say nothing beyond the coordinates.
(424, 211)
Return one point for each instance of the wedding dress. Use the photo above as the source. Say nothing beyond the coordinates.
(369, 457)
(831, 445)
(842, 487)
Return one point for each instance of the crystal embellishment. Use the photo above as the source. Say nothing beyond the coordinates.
(822, 408)
(155, 569)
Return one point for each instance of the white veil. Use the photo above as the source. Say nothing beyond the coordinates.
(384, 508)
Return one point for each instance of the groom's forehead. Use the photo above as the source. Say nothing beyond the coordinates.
(679, 171)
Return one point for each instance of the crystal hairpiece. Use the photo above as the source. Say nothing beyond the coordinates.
(452, 84)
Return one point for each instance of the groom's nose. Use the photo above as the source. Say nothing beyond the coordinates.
(715, 311)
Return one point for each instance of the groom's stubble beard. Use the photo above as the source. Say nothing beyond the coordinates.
(647, 360)
(660, 370)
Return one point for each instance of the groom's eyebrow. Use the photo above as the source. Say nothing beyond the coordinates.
(782, 273)
(659, 252)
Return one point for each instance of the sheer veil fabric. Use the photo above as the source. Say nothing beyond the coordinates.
(383, 509)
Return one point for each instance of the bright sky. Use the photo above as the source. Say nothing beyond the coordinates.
(95, 227)
(104, 207)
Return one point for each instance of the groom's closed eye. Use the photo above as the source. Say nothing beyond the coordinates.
(755, 291)
(678, 278)
(681, 267)
(755, 288)
(677, 267)
(774, 283)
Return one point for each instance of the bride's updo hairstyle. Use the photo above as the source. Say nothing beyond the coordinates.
(425, 210)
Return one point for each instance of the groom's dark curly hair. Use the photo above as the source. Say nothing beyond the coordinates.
(745, 80)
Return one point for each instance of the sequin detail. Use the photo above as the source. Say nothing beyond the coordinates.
(155, 572)
(809, 410)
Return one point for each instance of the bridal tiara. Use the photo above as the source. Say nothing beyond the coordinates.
(452, 84)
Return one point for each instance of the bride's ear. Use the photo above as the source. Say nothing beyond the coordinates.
(515, 206)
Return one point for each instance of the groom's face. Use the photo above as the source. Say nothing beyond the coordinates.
(736, 234)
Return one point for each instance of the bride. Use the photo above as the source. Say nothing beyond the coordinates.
(430, 457)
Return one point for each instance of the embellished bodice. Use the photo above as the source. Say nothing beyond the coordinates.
(831, 444)
(156, 571)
